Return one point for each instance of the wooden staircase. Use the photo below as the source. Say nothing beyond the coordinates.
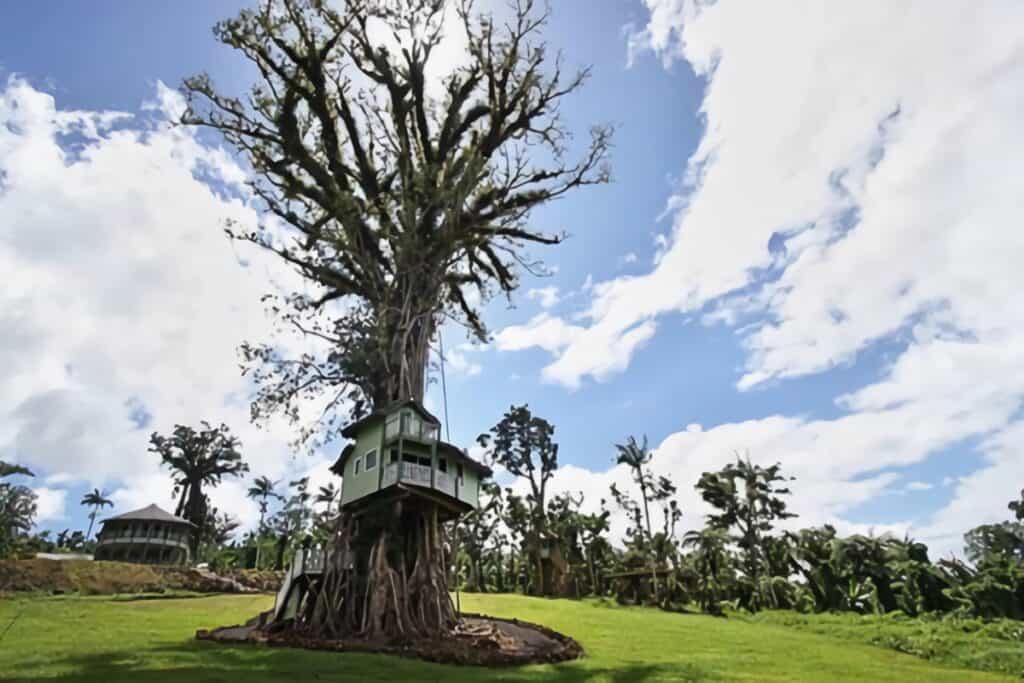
(307, 565)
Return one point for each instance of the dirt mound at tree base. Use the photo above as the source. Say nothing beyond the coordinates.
(478, 640)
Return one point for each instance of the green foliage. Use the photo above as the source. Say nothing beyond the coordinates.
(989, 541)
(523, 444)
(746, 498)
(17, 509)
(1017, 507)
(712, 565)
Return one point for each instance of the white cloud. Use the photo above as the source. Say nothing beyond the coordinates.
(844, 121)
(547, 296)
(843, 194)
(50, 504)
(458, 361)
(123, 302)
(824, 490)
(630, 257)
(543, 330)
(838, 466)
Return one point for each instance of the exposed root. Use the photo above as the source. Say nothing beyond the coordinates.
(384, 580)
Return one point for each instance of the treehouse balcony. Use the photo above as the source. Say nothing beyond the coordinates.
(419, 475)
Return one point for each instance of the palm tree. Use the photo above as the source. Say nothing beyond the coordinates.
(636, 456)
(197, 459)
(262, 489)
(96, 500)
(299, 501)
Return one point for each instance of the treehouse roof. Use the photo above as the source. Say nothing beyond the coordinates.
(351, 430)
(150, 513)
(462, 456)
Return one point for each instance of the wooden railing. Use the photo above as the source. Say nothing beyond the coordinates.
(142, 540)
(414, 473)
(307, 561)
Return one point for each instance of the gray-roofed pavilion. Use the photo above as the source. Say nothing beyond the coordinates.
(146, 536)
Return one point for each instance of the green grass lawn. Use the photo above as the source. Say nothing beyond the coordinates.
(150, 641)
(970, 643)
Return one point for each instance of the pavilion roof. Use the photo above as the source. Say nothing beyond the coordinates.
(150, 513)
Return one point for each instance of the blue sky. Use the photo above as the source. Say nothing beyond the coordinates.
(781, 242)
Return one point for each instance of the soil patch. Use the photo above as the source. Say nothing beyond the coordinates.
(478, 641)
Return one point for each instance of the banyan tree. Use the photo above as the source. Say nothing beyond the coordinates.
(403, 197)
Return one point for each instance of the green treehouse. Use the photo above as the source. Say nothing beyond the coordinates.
(395, 461)
(397, 453)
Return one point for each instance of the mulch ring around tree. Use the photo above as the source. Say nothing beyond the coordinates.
(477, 641)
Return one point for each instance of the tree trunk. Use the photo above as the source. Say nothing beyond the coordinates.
(179, 511)
(409, 326)
(196, 513)
(593, 574)
(385, 579)
(650, 538)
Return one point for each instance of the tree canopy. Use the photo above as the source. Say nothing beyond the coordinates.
(407, 203)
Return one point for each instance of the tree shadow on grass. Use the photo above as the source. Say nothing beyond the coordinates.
(198, 662)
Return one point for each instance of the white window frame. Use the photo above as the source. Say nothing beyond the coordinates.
(366, 461)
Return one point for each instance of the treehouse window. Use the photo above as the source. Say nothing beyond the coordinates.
(429, 431)
(458, 473)
(359, 465)
(371, 460)
(393, 455)
(442, 464)
(410, 424)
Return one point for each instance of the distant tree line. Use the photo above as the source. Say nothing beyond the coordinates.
(527, 539)
(543, 544)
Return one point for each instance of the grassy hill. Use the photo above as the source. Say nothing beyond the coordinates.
(149, 641)
(89, 577)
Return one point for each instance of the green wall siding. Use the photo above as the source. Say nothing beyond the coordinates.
(469, 492)
(354, 485)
